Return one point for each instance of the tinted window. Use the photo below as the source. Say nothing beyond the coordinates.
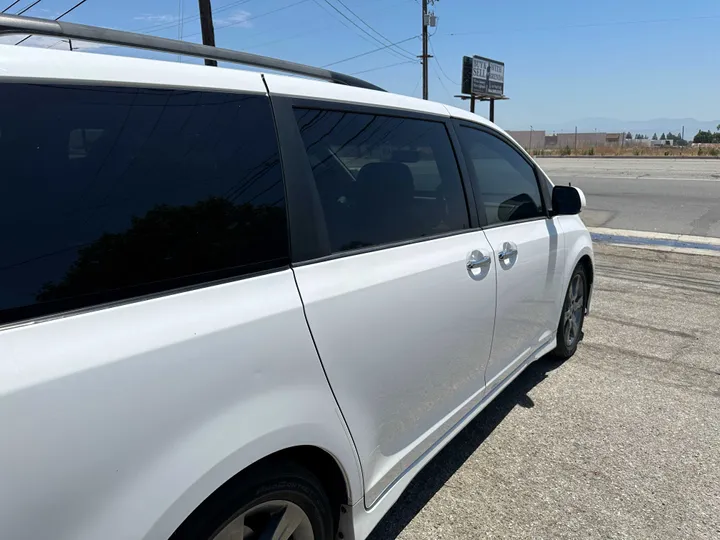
(108, 193)
(382, 179)
(505, 181)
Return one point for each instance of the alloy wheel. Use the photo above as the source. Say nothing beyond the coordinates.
(271, 520)
(574, 307)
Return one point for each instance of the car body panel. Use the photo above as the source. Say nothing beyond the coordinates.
(119, 418)
(24, 64)
(420, 354)
(282, 85)
(364, 519)
(578, 244)
(529, 286)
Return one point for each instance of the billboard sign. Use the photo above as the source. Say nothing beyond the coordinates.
(482, 77)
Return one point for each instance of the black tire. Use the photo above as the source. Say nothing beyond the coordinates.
(569, 336)
(269, 482)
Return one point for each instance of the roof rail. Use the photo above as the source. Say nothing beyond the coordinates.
(12, 24)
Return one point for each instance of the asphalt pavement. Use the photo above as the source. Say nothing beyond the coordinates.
(620, 441)
(659, 195)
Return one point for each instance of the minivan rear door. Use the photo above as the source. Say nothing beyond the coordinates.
(401, 304)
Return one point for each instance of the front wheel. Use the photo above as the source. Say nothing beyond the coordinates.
(569, 332)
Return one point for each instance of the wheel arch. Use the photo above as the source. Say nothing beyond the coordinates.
(323, 465)
(587, 265)
(216, 456)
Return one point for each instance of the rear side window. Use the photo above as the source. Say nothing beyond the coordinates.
(110, 193)
(382, 179)
(504, 179)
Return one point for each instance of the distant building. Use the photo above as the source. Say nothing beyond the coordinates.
(539, 140)
(575, 140)
(662, 142)
(638, 142)
(614, 139)
(529, 139)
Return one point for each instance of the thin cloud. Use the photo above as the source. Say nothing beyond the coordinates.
(238, 18)
(156, 18)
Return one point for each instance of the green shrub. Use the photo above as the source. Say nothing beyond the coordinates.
(591, 152)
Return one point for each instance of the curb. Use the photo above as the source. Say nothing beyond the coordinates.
(676, 243)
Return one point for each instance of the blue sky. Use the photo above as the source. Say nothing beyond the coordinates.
(565, 60)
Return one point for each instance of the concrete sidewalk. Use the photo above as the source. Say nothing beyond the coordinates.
(621, 441)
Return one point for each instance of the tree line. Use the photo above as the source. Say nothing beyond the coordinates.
(707, 136)
(670, 136)
(701, 137)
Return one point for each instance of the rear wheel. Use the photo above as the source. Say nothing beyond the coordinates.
(279, 502)
(569, 332)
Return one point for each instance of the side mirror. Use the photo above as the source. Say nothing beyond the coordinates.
(566, 201)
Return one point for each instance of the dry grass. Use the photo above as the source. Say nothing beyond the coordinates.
(670, 151)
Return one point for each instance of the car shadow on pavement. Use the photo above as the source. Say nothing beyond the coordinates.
(455, 454)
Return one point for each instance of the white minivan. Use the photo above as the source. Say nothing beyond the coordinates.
(245, 305)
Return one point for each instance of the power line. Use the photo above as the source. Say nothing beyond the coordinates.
(11, 5)
(80, 3)
(437, 61)
(283, 39)
(588, 25)
(71, 9)
(35, 3)
(181, 5)
(170, 24)
(363, 30)
(416, 87)
(343, 22)
(384, 67)
(368, 52)
(370, 27)
(442, 83)
(255, 17)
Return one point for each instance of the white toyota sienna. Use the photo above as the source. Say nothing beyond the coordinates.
(247, 305)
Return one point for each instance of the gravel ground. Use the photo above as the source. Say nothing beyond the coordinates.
(621, 441)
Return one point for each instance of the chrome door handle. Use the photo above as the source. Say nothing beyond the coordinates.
(509, 250)
(476, 260)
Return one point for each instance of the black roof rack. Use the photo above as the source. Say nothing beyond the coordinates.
(12, 24)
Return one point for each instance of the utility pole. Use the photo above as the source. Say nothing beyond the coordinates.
(424, 49)
(575, 139)
(206, 25)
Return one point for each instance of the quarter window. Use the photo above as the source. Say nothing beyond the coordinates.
(504, 179)
(382, 179)
(110, 193)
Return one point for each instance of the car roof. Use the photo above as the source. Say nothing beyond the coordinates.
(29, 63)
(35, 64)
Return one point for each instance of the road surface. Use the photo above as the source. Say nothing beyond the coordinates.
(659, 195)
(620, 441)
